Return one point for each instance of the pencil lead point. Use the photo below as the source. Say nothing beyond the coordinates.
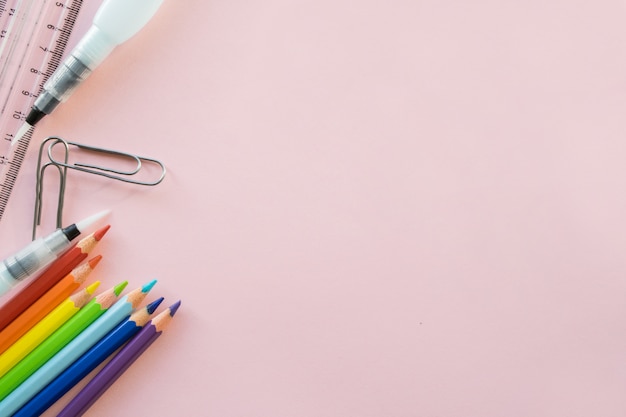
(153, 305)
(148, 286)
(120, 287)
(98, 234)
(92, 288)
(94, 261)
(20, 133)
(174, 308)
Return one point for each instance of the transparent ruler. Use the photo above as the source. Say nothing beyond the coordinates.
(33, 38)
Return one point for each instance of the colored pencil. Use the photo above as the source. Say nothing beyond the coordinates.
(73, 350)
(88, 362)
(53, 274)
(63, 289)
(45, 328)
(53, 344)
(120, 362)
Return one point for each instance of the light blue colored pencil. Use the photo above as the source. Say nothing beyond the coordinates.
(73, 350)
(88, 362)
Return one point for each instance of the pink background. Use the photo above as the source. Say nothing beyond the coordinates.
(401, 208)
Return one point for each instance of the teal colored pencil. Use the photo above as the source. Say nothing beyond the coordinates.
(55, 342)
(118, 364)
(88, 362)
(73, 350)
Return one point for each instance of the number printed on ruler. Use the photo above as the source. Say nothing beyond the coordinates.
(33, 38)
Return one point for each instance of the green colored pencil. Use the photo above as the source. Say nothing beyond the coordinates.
(53, 344)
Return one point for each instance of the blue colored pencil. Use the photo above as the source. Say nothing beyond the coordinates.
(120, 362)
(88, 362)
(73, 350)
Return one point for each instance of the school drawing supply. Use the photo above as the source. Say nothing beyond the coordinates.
(88, 362)
(73, 350)
(42, 330)
(55, 296)
(59, 269)
(37, 33)
(118, 364)
(40, 253)
(58, 340)
(115, 22)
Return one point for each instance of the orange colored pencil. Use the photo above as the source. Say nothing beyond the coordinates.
(55, 272)
(55, 296)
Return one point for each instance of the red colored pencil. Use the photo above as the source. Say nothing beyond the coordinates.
(55, 272)
(50, 300)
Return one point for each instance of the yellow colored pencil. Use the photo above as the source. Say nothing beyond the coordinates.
(44, 305)
(48, 325)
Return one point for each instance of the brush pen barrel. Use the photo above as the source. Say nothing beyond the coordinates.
(37, 255)
(41, 252)
(114, 23)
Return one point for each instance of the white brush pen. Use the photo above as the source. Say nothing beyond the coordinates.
(115, 22)
(41, 253)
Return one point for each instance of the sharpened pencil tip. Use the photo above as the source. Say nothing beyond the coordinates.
(92, 288)
(153, 305)
(94, 261)
(174, 308)
(120, 287)
(148, 286)
(98, 234)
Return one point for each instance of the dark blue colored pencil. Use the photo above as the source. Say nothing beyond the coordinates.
(120, 362)
(88, 362)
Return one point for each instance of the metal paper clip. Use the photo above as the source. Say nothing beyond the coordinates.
(124, 175)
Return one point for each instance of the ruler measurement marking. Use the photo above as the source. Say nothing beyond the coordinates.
(50, 33)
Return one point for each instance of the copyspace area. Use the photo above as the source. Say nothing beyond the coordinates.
(405, 208)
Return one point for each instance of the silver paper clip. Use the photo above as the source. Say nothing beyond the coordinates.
(125, 175)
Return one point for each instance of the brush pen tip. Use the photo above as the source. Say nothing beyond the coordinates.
(20, 133)
(87, 223)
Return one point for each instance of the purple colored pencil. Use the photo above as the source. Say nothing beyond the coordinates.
(120, 362)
